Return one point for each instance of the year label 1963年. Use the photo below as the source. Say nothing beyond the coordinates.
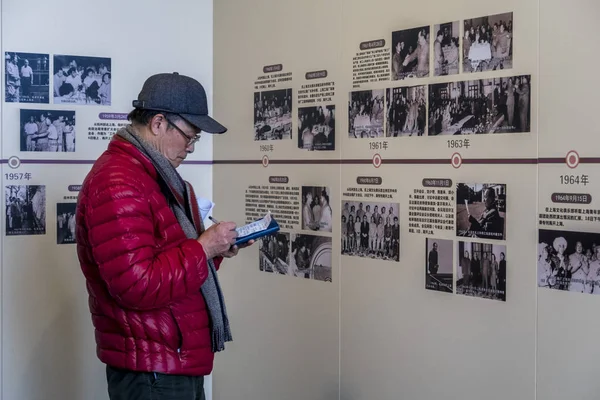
(459, 144)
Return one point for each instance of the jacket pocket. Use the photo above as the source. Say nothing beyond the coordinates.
(178, 331)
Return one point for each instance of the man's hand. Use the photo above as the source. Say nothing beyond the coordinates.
(233, 251)
(218, 239)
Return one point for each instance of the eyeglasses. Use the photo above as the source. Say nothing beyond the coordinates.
(191, 140)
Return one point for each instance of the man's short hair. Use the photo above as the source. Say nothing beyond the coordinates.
(143, 117)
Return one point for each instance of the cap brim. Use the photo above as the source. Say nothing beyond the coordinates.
(204, 123)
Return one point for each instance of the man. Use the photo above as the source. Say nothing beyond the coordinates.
(27, 76)
(307, 212)
(397, 60)
(395, 238)
(360, 213)
(31, 128)
(438, 56)
(346, 211)
(150, 265)
(59, 124)
(13, 79)
(433, 260)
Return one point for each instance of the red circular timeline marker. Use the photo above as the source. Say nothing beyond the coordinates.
(456, 160)
(572, 159)
(377, 161)
(265, 161)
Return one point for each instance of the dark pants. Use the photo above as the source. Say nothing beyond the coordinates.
(129, 385)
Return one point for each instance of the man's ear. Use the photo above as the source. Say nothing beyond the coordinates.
(156, 124)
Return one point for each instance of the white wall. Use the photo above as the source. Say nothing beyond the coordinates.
(48, 347)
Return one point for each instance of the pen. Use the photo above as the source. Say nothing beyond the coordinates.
(213, 220)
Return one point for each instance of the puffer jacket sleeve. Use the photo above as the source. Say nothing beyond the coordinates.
(122, 239)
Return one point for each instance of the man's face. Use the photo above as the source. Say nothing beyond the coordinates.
(488, 198)
(173, 143)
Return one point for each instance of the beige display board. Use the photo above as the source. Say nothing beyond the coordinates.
(473, 122)
(568, 202)
(283, 293)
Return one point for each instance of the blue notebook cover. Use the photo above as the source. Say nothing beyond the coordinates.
(271, 229)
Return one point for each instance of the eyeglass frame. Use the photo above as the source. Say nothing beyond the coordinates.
(191, 141)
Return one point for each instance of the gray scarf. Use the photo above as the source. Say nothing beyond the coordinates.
(179, 193)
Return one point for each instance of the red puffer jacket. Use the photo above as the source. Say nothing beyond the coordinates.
(143, 274)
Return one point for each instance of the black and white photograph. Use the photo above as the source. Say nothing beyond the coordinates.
(406, 111)
(316, 128)
(481, 270)
(410, 53)
(27, 78)
(47, 130)
(485, 106)
(365, 114)
(82, 80)
(274, 253)
(273, 115)
(316, 209)
(25, 210)
(311, 257)
(65, 223)
(446, 49)
(481, 210)
(569, 261)
(439, 271)
(371, 230)
(488, 43)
